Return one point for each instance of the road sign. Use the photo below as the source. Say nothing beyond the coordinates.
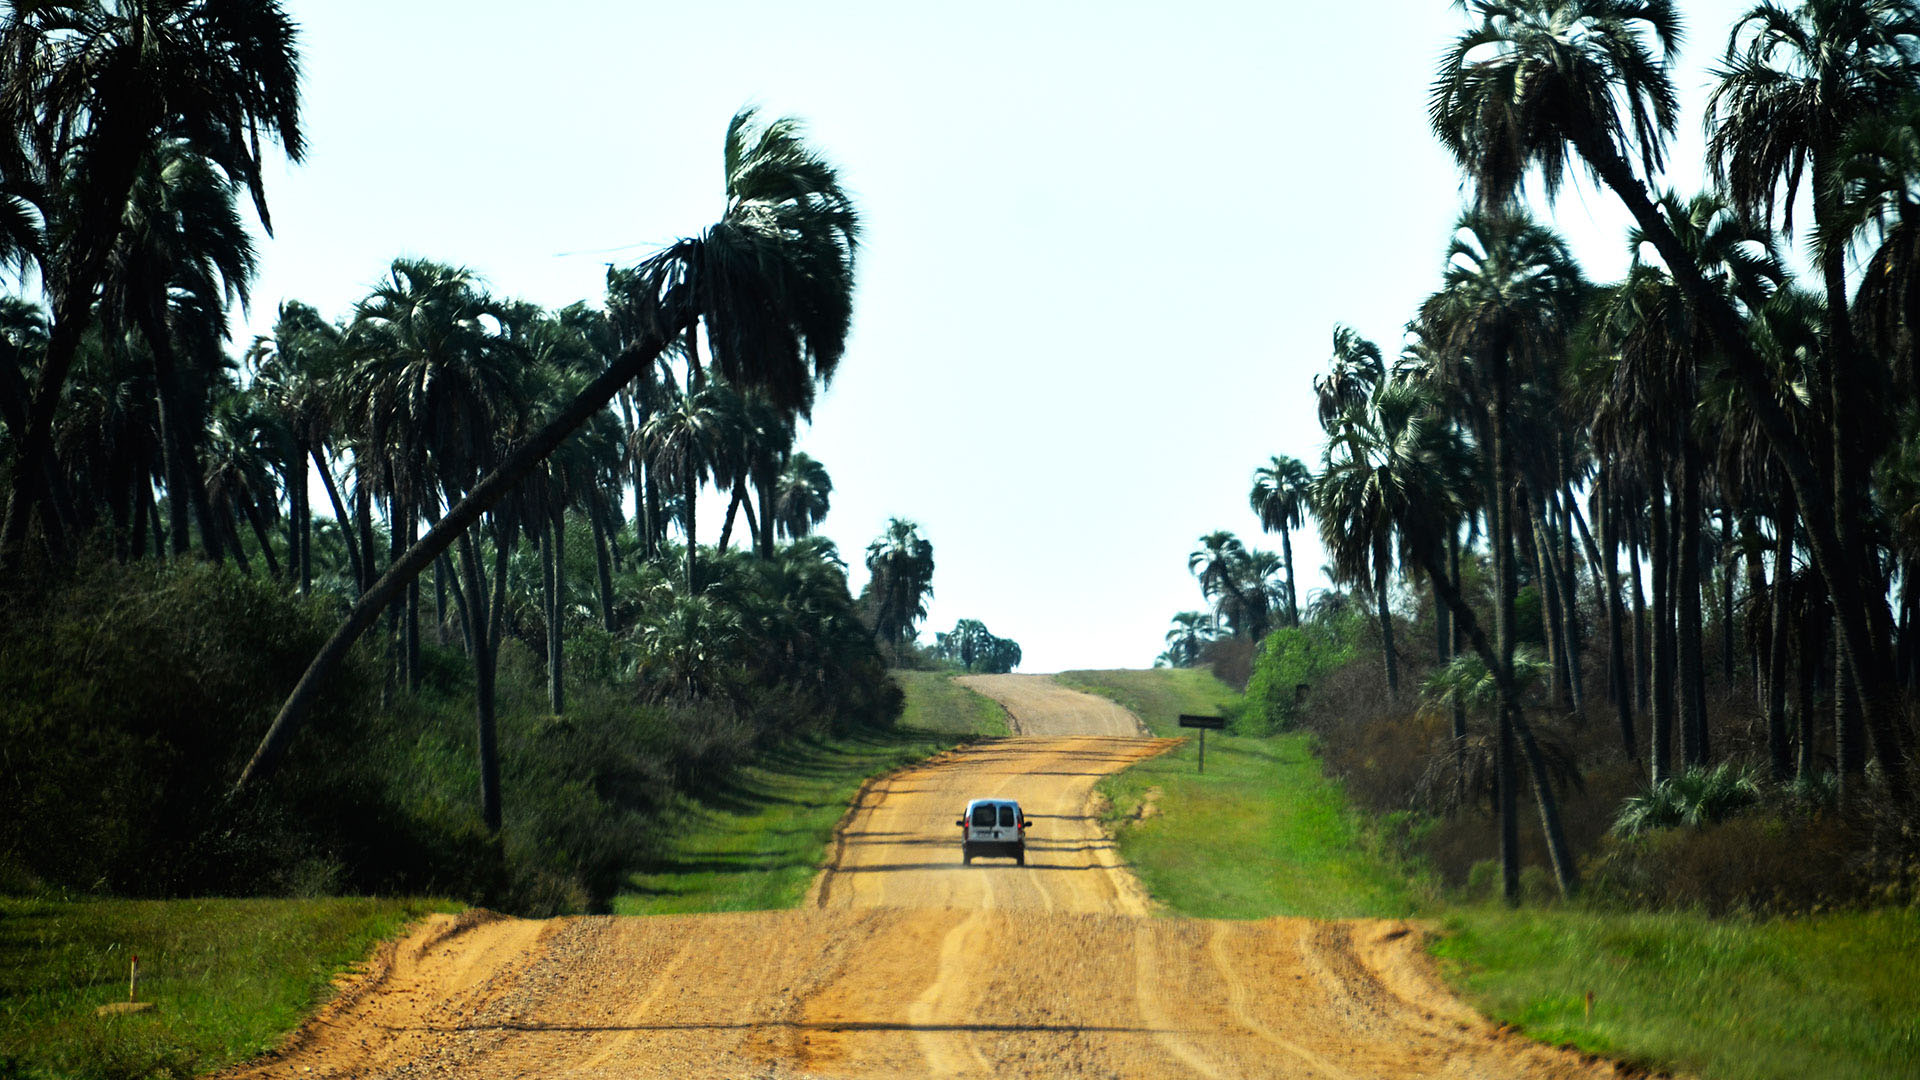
(1204, 723)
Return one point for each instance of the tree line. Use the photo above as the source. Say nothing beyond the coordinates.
(463, 439)
(1710, 445)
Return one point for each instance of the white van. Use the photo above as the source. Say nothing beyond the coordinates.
(993, 827)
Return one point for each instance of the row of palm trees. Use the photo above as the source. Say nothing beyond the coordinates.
(1706, 445)
(447, 427)
(1812, 382)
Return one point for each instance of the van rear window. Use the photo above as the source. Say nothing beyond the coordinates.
(1006, 816)
(983, 816)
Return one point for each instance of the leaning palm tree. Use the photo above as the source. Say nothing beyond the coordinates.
(1279, 498)
(773, 283)
(87, 88)
(1542, 84)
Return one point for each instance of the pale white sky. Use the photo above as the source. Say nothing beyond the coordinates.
(1105, 242)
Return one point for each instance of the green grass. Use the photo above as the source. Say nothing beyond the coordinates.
(936, 703)
(757, 846)
(1262, 832)
(1159, 695)
(230, 978)
(1828, 996)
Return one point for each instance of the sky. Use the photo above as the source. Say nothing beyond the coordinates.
(1105, 243)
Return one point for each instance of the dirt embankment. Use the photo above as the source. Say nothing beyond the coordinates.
(908, 964)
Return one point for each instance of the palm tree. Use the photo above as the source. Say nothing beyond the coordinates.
(1511, 292)
(181, 256)
(901, 562)
(1398, 474)
(87, 89)
(298, 371)
(1355, 516)
(1192, 631)
(1542, 84)
(1219, 562)
(1279, 498)
(682, 441)
(773, 281)
(802, 497)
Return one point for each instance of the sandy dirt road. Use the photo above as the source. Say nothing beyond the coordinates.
(908, 964)
(1039, 706)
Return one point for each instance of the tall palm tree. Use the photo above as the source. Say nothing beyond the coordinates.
(773, 281)
(901, 562)
(1542, 84)
(1510, 296)
(1279, 498)
(1354, 511)
(802, 497)
(682, 440)
(87, 88)
(1397, 472)
(181, 256)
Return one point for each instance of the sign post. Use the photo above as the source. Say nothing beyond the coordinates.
(1216, 723)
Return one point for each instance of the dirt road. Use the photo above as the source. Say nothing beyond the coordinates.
(1040, 706)
(908, 964)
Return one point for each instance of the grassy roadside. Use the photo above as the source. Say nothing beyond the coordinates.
(1832, 996)
(1265, 832)
(757, 845)
(230, 977)
(1262, 832)
(936, 703)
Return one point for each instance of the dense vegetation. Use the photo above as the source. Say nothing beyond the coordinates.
(501, 657)
(1653, 533)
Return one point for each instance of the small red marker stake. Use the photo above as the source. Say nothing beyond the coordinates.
(133, 981)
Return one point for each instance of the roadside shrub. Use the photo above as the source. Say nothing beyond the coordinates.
(1695, 797)
(1289, 658)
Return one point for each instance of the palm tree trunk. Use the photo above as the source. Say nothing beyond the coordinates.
(753, 528)
(1293, 593)
(1386, 635)
(491, 488)
(1777, 741)
(688, 488)
(1566, 871)
(602, 560)
(1807, 720)
(411, 620)
(733, 509)
(1849, 743)
(1661, 735)
(556, 632)
(766, 517)
(1458, 634)
(1864, 625)
(1642, 646)
(229, 538)
(1506, 582)
(142, 498)
(1726, 595)
(1693, 673)
(341, 519)
(1610, 598)
(252, 513)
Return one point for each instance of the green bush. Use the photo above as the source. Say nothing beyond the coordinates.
(1696, 797)
(1289, 657)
